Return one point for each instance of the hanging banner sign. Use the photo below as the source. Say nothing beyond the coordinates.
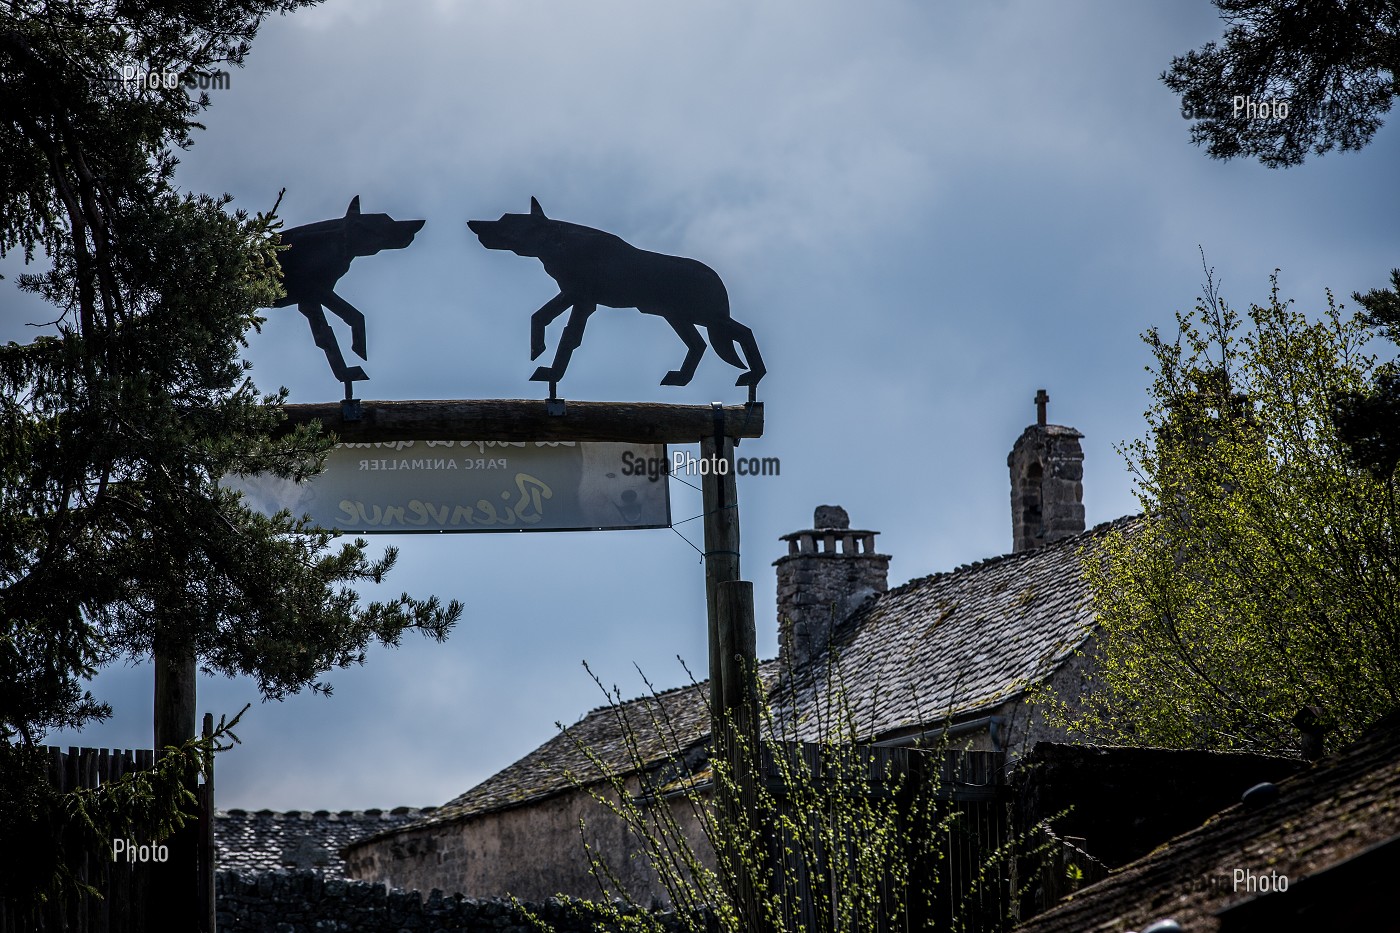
(435, 486)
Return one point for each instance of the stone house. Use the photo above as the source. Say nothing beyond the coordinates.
(950, 654)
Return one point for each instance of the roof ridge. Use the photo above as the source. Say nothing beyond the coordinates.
(1098, 530)
(659, 694)
(377, 813)
(653, 695)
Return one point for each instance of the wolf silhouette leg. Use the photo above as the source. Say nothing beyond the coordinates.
(694, 349)
(568, 343)
(325, 339)
(542, 319)
(724, 336)
(352, 316)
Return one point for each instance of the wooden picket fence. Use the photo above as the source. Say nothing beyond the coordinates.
(1058, 869)
(130, 898)
(956, 800)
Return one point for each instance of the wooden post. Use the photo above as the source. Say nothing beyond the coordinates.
(206, 833)
(739, 655)
(733, 654)
(175, 687)
(720, 501)
(175, 881)
(738, 726)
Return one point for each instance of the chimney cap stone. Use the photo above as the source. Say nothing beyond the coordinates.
(831, 516)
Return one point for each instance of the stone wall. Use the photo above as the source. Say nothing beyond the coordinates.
(265, 840)
(1023, 720)
(532, 851)
(304, 902)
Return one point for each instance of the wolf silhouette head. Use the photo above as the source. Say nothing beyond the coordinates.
(318, 254)
(367, 234)
(522, 234)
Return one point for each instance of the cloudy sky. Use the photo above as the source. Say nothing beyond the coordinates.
(924, 211)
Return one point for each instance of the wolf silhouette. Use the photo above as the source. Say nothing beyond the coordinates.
(595, 268)
(317, 255)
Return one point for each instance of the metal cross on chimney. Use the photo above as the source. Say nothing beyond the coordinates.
(1041, 400)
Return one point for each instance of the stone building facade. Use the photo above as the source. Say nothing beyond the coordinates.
(955, 654)
(518, 832)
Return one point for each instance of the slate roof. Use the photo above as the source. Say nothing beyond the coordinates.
(1327, 821)
(545, 771)
(666, 726)
(958, 643)
(961, 641)
(266, 840)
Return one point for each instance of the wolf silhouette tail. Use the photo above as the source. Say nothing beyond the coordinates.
(728, 339)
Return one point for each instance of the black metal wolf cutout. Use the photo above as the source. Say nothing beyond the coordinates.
(596, 268)
(317, 255)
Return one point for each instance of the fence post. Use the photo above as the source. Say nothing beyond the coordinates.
(206, 832)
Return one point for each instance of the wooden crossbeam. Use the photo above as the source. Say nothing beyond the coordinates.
(527, 420)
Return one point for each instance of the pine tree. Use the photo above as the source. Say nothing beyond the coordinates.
(1291, 78)
(1369, 420)
(116, 537)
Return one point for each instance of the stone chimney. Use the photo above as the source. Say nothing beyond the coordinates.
(828, 572)
(1047, 488)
